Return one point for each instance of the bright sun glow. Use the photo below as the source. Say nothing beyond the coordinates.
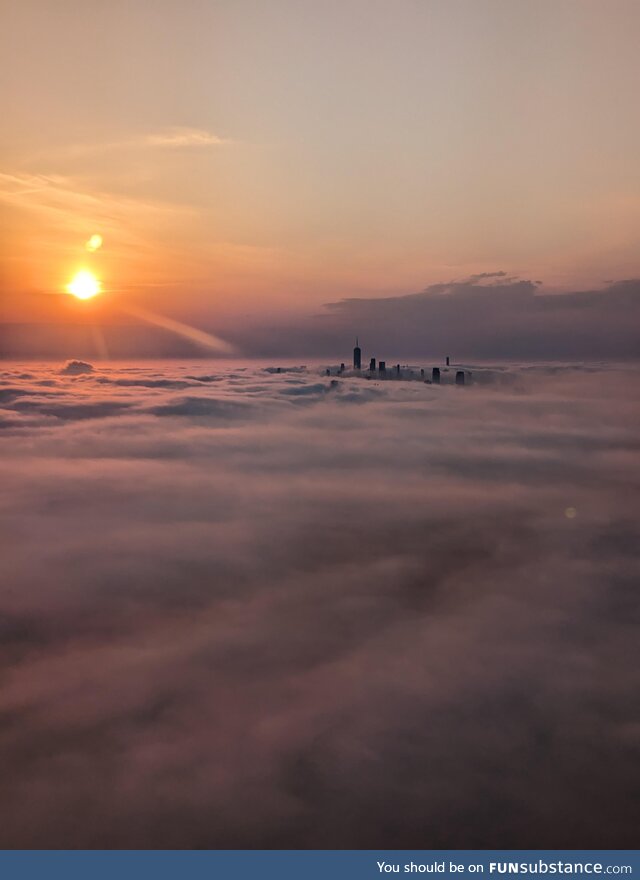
(84, 285)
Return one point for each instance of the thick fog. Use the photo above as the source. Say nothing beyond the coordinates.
(243, 608)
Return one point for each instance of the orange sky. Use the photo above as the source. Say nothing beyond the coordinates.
(249, 158)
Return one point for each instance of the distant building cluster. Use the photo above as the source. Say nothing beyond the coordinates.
(378, 370)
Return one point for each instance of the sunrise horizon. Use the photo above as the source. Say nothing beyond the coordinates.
(187, 173)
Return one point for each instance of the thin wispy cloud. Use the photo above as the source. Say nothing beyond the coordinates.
(70, 202)
(169, 138)
(183, 137)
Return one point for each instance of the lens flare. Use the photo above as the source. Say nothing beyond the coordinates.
(94, 243)
(84, 285)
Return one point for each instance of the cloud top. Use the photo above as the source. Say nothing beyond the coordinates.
(74, 368)
(254, 609)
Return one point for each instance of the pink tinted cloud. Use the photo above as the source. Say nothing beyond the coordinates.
(353, 617)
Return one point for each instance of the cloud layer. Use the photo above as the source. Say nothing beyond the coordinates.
(485, 316)
(496, 316)
(245, 608)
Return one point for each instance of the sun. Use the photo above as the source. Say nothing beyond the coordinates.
(84, 285)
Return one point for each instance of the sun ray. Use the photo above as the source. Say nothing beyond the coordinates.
(200, 337)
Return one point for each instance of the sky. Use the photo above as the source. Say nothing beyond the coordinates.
(247, 163)
(251, 609)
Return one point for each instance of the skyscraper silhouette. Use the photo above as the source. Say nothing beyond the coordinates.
(357, 355)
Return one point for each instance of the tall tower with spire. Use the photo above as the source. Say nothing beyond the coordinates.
(357, 356)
